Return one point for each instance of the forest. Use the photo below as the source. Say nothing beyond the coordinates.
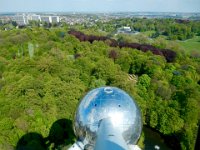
(167, 53)
(45, 72)
(172, 28)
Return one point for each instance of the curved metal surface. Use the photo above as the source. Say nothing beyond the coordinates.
(108, 103)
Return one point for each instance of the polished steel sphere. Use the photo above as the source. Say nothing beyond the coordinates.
(107, 103)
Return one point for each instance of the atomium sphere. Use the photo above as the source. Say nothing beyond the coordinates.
(108, 103)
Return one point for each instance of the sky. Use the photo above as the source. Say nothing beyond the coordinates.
(99, 6)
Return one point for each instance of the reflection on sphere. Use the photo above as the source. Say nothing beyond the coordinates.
(108, 103)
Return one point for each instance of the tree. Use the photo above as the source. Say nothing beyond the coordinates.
(37, 91)
(95, 83)
(106, 70)
(154, 119)
(167, 120)
(113, 54)
(144, 80)
(124, 60)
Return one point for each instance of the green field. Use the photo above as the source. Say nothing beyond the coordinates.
(149, 33)
(191, 44)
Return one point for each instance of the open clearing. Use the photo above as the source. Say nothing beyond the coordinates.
(191, 44)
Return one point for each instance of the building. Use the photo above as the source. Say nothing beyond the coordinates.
(124, 30)
(20, 19)
(5, 19)
(55, 19)
(35, 17)
(23, 19)
(47, 19)
(127, 29)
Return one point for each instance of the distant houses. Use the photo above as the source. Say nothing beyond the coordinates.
(71, 19)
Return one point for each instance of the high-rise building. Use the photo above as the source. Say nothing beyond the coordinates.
(20, 19)
(47, 19)
(55, 19)
(35, 17)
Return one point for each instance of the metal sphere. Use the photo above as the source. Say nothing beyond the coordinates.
(108, 103)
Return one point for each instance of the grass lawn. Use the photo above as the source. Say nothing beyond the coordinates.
(148, 33)
(191, 44)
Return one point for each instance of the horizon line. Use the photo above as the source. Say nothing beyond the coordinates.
(98, 12)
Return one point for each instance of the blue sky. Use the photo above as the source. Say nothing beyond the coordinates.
(99, 5)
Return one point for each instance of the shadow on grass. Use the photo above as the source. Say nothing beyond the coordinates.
(60, 134)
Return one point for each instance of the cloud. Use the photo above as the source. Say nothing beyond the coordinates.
(91, 96)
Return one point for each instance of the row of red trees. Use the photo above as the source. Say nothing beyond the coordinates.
(167, 53)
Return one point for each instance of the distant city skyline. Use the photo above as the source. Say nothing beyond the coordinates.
(99, 6)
